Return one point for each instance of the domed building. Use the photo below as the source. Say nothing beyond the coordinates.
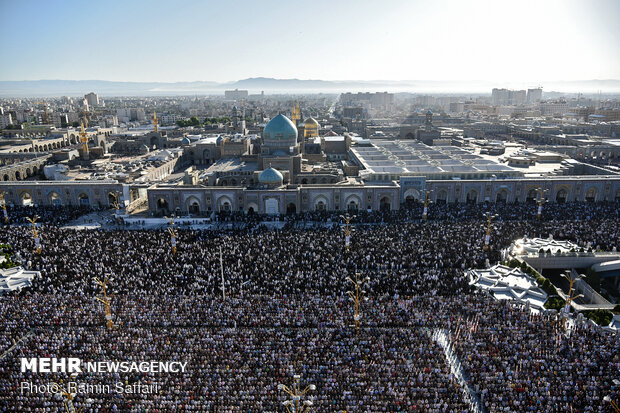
(311, 128)
(271, 177)
(280, 132)
(280, 148)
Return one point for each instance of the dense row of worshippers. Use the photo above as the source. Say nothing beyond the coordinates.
(515, 361)
(435, 211)
(287, 313)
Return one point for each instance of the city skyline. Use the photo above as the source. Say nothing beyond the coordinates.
(211, 41)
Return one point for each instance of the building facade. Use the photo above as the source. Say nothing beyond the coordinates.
(289, 199)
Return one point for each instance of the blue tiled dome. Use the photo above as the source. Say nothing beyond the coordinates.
(185, 141)
(280, 131)
(270, 176)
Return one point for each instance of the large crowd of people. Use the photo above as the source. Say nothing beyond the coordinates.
(49, 214)
(286, 312)
(442, 211)
(240, 349)
(518, 361)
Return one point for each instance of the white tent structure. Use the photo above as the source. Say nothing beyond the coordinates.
(508, 283)
(16, 278)
(531, 246)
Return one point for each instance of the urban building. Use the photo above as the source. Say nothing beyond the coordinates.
(342, 157)
(534, 95)
(5, 120)
(377, 100)
(92, 99)
(506, 97)
(235, 94)
(554, 108)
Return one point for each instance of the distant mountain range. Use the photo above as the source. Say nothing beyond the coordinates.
(31, 88)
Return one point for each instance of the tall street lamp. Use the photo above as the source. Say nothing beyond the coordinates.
(487, 237)
(568, 274)
(69, 396)
(356, 297)
(295, 404)
(35, 233)
(609, 400)
(3, 202)
(105, 300)
(173, 238)
(427, 201)
(347, 230)
(541, 201)
(116, 205)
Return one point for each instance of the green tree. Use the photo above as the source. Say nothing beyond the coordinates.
(555, 303)
(7, 251)
(215, 120)
(600, 317)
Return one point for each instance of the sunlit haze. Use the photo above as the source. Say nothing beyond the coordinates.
(503, 41)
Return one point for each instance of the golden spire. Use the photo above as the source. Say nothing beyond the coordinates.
(155, 121)
(295, 113)
(83, 138)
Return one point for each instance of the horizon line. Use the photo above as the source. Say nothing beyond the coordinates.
(320, 80)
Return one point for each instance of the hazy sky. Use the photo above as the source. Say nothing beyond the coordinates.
(181, 40)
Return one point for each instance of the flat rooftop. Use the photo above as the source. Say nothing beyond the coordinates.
(415, 158)
(232, 165)
(533, 171)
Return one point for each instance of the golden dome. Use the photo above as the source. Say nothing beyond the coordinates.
(310, 122)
